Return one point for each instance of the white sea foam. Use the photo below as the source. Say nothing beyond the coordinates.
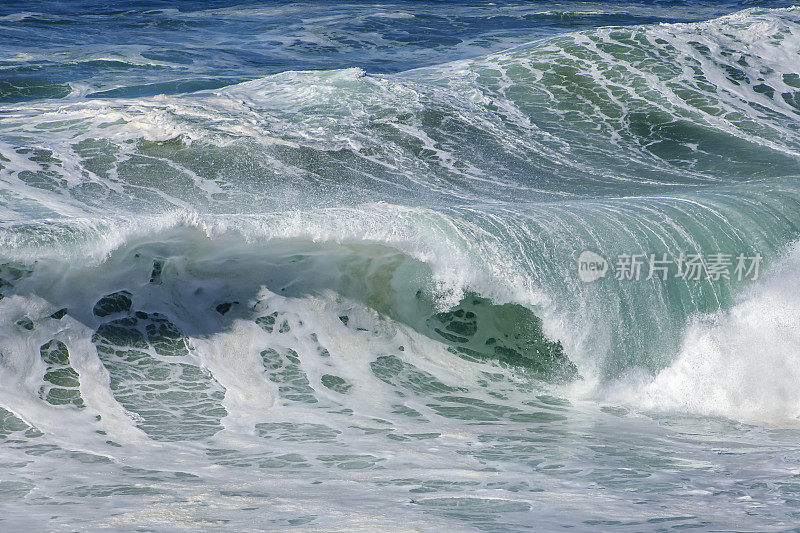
(742, 363)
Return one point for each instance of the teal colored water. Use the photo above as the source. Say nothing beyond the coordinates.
(274, 266)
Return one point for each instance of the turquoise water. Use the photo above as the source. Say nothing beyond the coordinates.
(275, 266)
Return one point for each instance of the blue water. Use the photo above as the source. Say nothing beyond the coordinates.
(149, 48)
(317, 266)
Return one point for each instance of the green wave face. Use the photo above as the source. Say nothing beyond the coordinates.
(225, 275)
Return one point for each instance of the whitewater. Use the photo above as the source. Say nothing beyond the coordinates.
(317, 267)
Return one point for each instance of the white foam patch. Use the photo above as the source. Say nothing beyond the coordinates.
(742, 364)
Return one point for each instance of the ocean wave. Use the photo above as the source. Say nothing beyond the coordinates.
(488, 175)
(604, 112)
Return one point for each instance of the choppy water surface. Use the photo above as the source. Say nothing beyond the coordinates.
(276, 265)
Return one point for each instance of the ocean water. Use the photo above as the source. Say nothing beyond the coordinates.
(275, 266)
